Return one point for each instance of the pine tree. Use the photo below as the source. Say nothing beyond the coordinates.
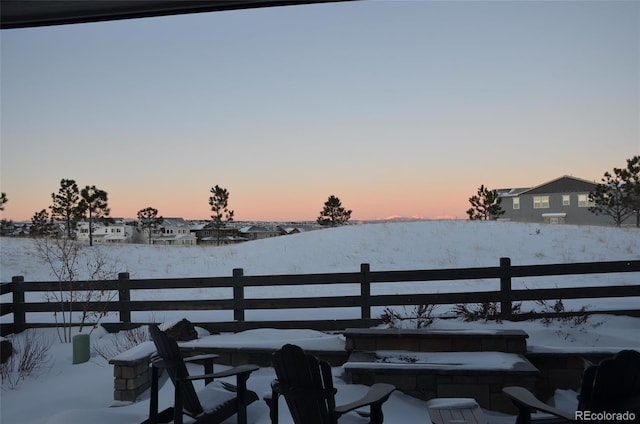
(219, 202)
(94, 203)
(631, 176)
(618, 194)
(333, 214)
(41, 225)
(485, 205)
(66, 205)
(148, 219)
(3, 200)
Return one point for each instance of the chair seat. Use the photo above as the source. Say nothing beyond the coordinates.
(213, 397)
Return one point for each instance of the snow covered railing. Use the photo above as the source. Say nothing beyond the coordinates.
(344, 290)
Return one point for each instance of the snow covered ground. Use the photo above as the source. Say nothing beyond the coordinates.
(66, 393)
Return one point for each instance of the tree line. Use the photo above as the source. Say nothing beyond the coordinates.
(71, 205)
(617, 196)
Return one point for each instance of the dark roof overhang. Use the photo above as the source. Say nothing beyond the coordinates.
(34, 13)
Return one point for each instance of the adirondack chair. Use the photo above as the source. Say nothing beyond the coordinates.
(307, 386)
(611, 386)
(212, 404)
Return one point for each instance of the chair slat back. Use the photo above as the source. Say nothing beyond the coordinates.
(169, 351)
(612, 383)
(307, 386)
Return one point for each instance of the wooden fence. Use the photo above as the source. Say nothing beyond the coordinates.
(364, 300)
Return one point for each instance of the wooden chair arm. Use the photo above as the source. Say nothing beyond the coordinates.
(201, 358)
(297, 392)
(240, 371)
(377, 394)
(526, 402)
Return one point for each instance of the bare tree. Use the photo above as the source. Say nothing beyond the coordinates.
(69, 263)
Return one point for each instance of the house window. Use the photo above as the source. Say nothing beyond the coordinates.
(566, 200)
(516, 203)
(583, 201)
(540, 202)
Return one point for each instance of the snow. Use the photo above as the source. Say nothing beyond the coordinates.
(442, 360)
(65, 393)
(272, 339)
(452, 403)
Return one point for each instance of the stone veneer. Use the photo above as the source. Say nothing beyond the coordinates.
(132, 372)
(427, 381)
(426, 340)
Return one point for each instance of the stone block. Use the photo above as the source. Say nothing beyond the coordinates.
(517, 346)
(120, 384)
(128, 372)
(425, 382)
(466, 345)
(403, 382)
(436, 345)
(464, 379)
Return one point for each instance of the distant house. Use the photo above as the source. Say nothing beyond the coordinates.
(564, 200)
(286, 230)
(116, 232)
(206, 233)
(173, 232)
(258, 232)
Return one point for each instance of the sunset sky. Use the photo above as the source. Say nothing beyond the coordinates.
(399, 108)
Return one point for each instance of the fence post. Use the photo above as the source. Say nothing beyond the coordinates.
(19, 316)
(238, 294)
(124, 296)
(365, 294)
(505, 287)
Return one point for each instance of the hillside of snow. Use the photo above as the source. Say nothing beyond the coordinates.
(385, 246)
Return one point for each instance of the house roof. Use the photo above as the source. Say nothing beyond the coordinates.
(255, 229)
(564, 184)
(511, 192)
(30, 13)
(174, 222)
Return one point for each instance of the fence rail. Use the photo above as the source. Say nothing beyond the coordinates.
(123, 287)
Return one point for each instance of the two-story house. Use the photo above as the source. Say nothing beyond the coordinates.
(174, 232)
(206, 233)
(115, 232)
(564, 200)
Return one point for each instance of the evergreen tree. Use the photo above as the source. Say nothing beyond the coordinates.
(333, 214)
(631, 176)
(618, 194)
(486, 204)
(219, 202)
(3, 200)
(94, 206)
(66, 206)
(148, 219)
(41, 225)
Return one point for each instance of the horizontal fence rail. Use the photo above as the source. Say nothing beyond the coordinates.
(122, 289)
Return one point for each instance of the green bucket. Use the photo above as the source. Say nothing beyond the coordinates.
(81, 350)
